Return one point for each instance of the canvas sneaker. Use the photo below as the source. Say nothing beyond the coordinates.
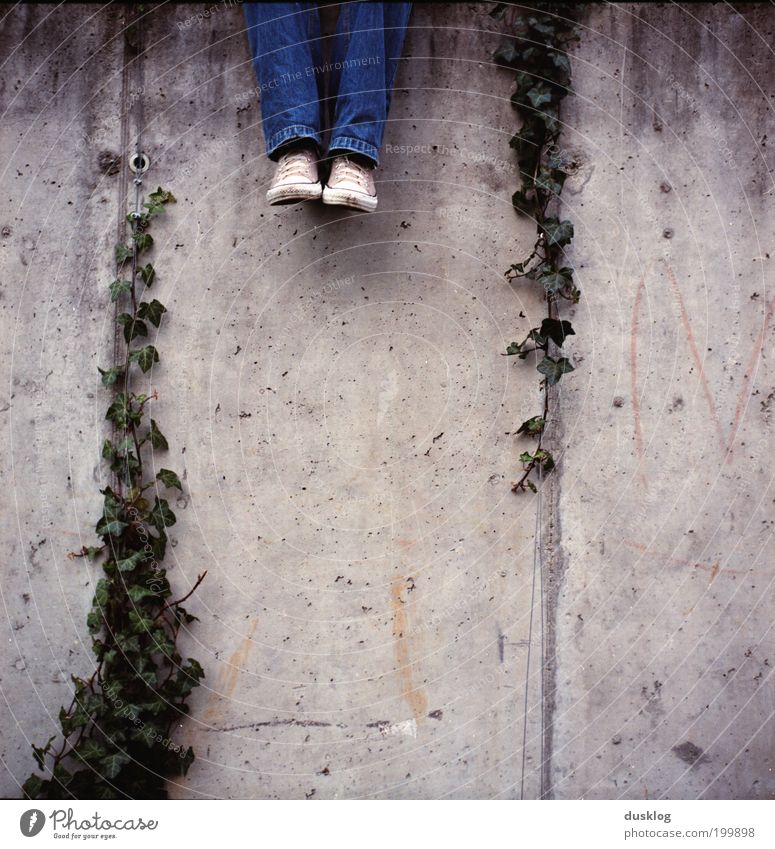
(350, 184)
(295, 178)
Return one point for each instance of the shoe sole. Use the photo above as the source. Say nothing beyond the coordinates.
(355, 200)
(294, 192)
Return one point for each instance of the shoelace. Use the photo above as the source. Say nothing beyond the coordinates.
(294, 165)
(344, 168)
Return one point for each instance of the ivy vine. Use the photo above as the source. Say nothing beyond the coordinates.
(536, 51)
(116, 736)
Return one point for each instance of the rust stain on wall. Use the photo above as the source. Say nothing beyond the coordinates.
(228, 676)
(415, 696)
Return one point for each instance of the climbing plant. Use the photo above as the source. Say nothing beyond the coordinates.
(535, 50)
(116, 735)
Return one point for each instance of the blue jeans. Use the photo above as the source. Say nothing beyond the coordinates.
(288, 60)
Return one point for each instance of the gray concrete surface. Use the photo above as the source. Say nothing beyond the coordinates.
(333, 391)
(664, 617)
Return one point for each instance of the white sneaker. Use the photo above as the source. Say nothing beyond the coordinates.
(296, 178)
(350, 184)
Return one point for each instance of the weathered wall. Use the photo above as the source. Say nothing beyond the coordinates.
(334, 393)
(665, 645)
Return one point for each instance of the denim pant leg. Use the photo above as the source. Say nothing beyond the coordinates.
(367, 48)
(285, 42)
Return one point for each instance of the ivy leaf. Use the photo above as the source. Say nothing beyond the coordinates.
(127, 564)
(121, 413)
(162, 196)
(561, 61)
(91, 750)
(112, 764)
(139, 623)
(158, 440)
(33, 787)
(144, 241)
(119, 288)
(40, 752)
(556, 330)
(507, 54)
(522, 203)
(532, 427)
(538, 95)
(153, 311)
(148, 274)
(111, 375)
(110, 523)
(101, 593)
(145, 357)
(556, 281)
(132, 326)
(169, 478)
(558, 233)
(137, 594)
(74, 721)
(161, 515)
(123, 253)
(514, 348)
(554, 369)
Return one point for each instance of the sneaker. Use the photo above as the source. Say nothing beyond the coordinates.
(350, 184)
(296, 178)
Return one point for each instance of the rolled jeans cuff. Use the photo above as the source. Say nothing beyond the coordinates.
(295, 131)
(356, 145)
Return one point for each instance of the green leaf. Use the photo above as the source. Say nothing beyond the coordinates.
(108, 452)
(111, 764)
(102, 592)
(119, 288)
(145, 357)
(137, 593)
(539, 95)
(110, 523)
(91, 750)
(127, 564)
(139, 623)
(148, 274)
(522, 203)
(507, 54)
(554, 369)
(40, 752)
(556, 330)
(157, 438)
(556, 281)
(111, 375)
(514, 348)
(169, 478)
(133, 327)
(72, 722)
(533, 426)
(144, 241)
(153, 311)
(161, 196)
(93, 622)
(161, 515)
(558, 233)
(33, 787)
(123, 253)
(120, 412)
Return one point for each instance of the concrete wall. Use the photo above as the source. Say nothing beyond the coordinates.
(333, 391)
